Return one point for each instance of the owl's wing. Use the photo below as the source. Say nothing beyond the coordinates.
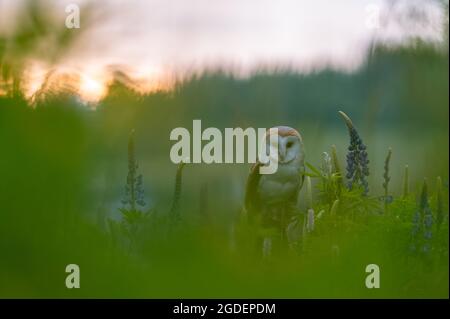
(302, 172)
(294, 198)
(251, 189)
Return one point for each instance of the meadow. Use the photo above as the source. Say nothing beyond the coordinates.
(64, 196)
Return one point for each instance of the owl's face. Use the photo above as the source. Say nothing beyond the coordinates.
(289, 144)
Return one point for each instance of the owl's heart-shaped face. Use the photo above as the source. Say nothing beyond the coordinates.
(288, 148)
(288, 145)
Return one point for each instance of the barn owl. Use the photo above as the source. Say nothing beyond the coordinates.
(272, 196)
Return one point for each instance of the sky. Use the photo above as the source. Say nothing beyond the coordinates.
(158, 40)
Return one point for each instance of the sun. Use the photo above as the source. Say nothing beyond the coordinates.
(92, 89)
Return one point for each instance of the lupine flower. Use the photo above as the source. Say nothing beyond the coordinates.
(423, 202)
(174, 210)
(416, 223)
(426, 248)
(327, 167)
(427, 223)
(327, 172)
(140, 191)
(134, 189)
(416, 229)
(357, 161)
(427, 231)
(422, 223)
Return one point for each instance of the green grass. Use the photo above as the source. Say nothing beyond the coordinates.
(55, 207)
(63, 169)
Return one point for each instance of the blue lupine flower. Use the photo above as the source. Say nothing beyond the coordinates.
(416, 224)
(428, 223)
(422, 223)
(134, 189)
(327, 166)
(357, 159)
(426, 248)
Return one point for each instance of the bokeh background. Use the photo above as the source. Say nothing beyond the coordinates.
(70, 97)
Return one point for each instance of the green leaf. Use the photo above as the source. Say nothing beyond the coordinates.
(314, 169)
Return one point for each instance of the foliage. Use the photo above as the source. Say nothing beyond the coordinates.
(357, 161)
(60, 162)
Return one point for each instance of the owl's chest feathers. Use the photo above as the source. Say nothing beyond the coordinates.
(280, 186)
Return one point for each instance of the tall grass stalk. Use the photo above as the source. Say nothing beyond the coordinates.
(406, 182)
(440, 203)
(387, 178)
(175, 208)
(336, 168)
(309, 196)
(334, 208)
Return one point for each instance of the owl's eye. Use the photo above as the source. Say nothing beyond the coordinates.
(289, 144)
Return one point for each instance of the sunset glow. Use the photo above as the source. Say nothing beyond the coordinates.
(92, 89)
(154, 46)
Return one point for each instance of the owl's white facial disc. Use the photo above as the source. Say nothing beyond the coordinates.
(286, 149)
(289, 148)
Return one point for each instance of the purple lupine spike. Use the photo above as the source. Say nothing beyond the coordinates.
(422, 223)
(357, 158)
